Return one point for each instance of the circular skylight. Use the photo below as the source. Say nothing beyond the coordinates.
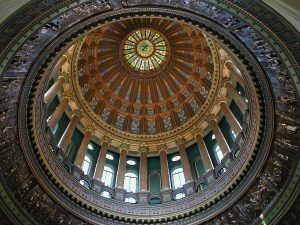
(145, 49)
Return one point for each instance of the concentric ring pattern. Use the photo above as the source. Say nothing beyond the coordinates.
(179, 73)
(145, 50)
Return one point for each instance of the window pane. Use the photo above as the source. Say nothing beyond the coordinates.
(219, 153)
(130, 182)
(178, 178)
(86, 164)
(107, 176)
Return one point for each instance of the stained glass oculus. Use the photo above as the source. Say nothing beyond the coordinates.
(145, 50)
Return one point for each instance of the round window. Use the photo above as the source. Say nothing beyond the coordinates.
(175, 158)
(131, 162)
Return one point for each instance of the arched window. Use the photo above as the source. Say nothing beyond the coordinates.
(178, 178)
(86, 164)
(179, 195)
(130, 200)
(130, 182)
(219, 153)
(107, 176)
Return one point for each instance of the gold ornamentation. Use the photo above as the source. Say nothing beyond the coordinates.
(180, 141)
(106, 139)
(162, 147)
(77, 113)
(143, 148)
(89, 128)
(145, 50)
(197, 130)
(124, 146)
(69, 95)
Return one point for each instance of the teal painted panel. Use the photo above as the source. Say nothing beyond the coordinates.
(154, 182)
(113, 164)
(51, 108)
(236, 112)
(153, 164)
(134, 168)
(195, 161)
(211, 145)
(240, 89)
(62, 125)
(173, 165)
(227, 131)
(75, 144)
(93, 154)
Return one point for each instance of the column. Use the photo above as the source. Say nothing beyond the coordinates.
(184, 160)
(102, 157)
(122, 165)
(67, 135)
(239, 100)
(143, 168)
(83, 147)
(236, 127)
(220, 138)
(59, 64)
(235, 72)
(51, 93)
(164, 168)
(56, 115)
(204, 152)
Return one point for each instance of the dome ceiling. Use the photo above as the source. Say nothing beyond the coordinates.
(145, 75)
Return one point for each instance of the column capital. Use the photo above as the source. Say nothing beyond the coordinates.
(227, 60)
(65, 75)
(162, 147)
(77, 113)
(180, 141)
(211, 117)
(90, 128)
(225, 80)
(197, 130)
(68, 95)
(105, 139)
(221, 98)
(124, 146)
(228, 83)
(143, 148)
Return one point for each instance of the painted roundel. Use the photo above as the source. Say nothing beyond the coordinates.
(145, 50)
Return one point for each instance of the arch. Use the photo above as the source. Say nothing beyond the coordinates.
(85, 183)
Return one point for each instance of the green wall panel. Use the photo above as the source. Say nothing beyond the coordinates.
(153, 164)
(211, 144)
(195, 161)
(173, 165)
(236, 112)
(113, 164)
(227, 132)
(93, 154)
(75, 144)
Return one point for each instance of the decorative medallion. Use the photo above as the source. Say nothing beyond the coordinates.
(145, 50)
